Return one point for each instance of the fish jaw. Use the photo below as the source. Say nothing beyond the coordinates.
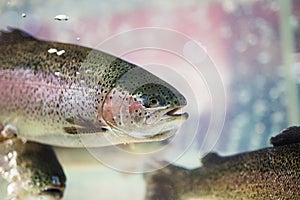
(19, 193)
(52, 193)
(167, 114)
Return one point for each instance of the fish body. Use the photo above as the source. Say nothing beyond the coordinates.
(265, 174)
(30, 171)
(60, 94)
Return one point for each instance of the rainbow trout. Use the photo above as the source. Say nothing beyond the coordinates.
(29, 171)
(58, 94)
(269, 173)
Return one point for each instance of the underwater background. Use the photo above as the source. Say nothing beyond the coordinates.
(254, 46)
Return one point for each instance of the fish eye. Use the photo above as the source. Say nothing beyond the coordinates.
(154, 101)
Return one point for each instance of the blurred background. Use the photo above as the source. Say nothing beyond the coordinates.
(253, 44)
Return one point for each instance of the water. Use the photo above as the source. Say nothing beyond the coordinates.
(241, 38)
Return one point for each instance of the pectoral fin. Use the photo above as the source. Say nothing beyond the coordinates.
(83, 130)
(79, 125)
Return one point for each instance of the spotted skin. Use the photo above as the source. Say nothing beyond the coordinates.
(31, 171)
(56, 99)
(282, 139)
(269, 173)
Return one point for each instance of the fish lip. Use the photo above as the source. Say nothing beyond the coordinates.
(173, 113)
(54, 191)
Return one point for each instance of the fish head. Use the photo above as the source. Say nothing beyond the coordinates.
(46, 182)
(53, 190)
(31, 171)
(41, 175)
(143, 106)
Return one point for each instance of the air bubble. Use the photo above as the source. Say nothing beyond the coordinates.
(57, 73)
(52, 50)
(61, 52)
(61, 17)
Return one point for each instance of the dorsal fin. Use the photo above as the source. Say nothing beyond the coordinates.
(290, 135)
(13, 35)
(211, 159)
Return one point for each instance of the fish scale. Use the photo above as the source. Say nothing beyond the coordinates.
(266, 174)
(42, 89)
(27, 173)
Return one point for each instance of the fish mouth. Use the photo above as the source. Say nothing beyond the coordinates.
(174, 112)
(55, 192)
